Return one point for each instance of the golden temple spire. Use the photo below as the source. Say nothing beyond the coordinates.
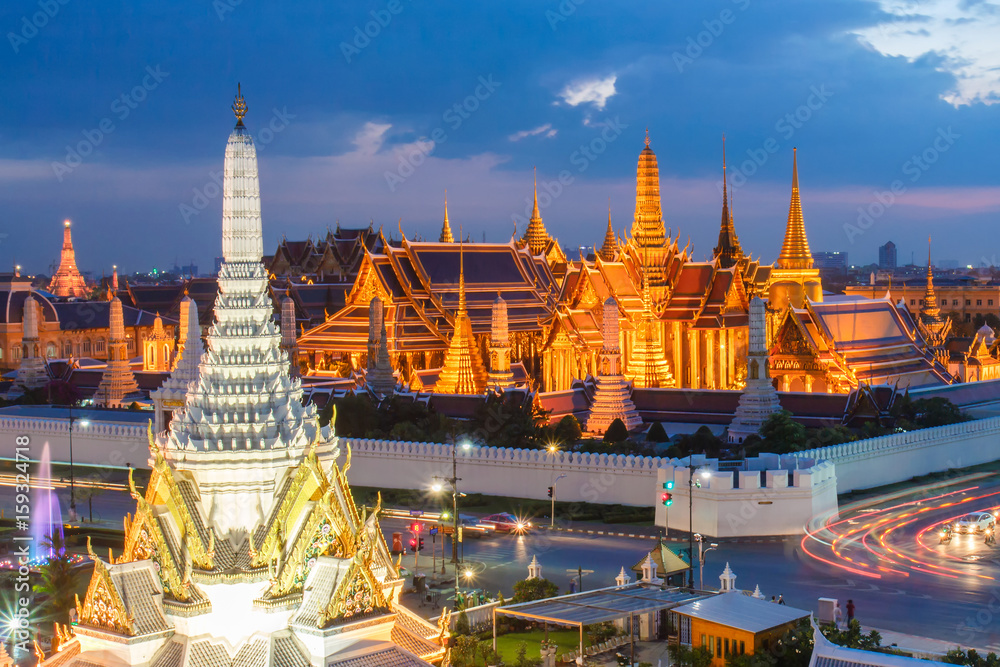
(728, 251)
(463, 371)
(461, 274)
(535, 236)
(930, 310)
(647, 226)
(446, 236)
(239, 106)
(795, 250)
(610, 247)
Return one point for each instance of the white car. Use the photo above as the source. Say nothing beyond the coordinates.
(976, 522)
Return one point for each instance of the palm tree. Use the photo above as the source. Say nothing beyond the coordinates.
(58, 581)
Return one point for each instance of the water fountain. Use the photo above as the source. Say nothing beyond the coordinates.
(46, 513)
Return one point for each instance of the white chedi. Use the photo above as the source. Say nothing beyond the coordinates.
(243, 420)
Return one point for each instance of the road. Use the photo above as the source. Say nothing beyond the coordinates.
(881, 553)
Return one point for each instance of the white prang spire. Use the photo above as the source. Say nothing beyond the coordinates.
(243, 420)
(242, 239)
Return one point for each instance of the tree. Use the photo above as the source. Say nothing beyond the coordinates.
(58, 581)
(795, 647)
(702, 441)
(528, 590)
(87, 492)
(851, 637)
(464, 652)
(758, 659)
(462, 626)
(782, 435)
(691, 657)
(511, 419)
(617, 432)
(657, 433)
(568, 430)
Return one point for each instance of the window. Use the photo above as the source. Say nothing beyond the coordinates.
(718, 646)
(131, 344)
(726, 646)
(67, 349)
(86, 346)
(15, 352)
(979, 302)
(913, 302)
(968, 302)
(743, 647)
(954, 302)
(704, 641)
(968, 317)
(99, 346)
(51, 351)
(989, 302)
(921, 302)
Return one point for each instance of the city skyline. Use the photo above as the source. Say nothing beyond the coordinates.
(341, 121)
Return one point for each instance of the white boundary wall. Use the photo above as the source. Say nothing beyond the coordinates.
(519, 473)
(898, 457)
(793, 491)
(106, 444)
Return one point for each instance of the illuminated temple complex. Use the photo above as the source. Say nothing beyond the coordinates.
(246, 547)
(683, 323)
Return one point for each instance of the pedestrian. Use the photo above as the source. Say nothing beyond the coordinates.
(781, 599)
(838, 616)
(774, 599)
(850, 611)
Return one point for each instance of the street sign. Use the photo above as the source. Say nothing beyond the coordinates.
(416, 512)
(434, 531)
(460, 532)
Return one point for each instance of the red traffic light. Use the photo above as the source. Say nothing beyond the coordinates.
(667, 499)
(415, 527)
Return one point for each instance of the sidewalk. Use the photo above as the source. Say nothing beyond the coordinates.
(921, 647)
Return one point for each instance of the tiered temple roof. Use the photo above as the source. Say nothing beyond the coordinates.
(333, 258)
(850, 340)
(418, 283)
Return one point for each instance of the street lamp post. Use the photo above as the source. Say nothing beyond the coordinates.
(701, 558)
(692, 485)
(552, 518)
(72, 471)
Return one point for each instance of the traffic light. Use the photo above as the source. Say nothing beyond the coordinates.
(669, 486)
(420, 544)
(413, 544)
(667, 499)
(415, 527)
(550, 492)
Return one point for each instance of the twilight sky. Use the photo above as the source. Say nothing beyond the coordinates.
(115, 114)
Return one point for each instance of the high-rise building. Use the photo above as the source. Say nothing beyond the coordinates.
(887, 256)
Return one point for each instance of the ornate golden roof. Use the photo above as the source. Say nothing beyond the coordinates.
(239, 106)
(795, 250)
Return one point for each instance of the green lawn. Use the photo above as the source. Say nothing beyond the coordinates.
(567, 640)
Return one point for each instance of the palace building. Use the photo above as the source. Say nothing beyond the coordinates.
(682, 323)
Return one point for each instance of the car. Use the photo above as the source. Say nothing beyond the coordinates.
(975, 522)
(505, 522)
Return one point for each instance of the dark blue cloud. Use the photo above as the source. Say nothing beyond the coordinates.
(688, 71)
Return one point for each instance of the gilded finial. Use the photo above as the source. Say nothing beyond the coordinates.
(647, 137)
(239, 106)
